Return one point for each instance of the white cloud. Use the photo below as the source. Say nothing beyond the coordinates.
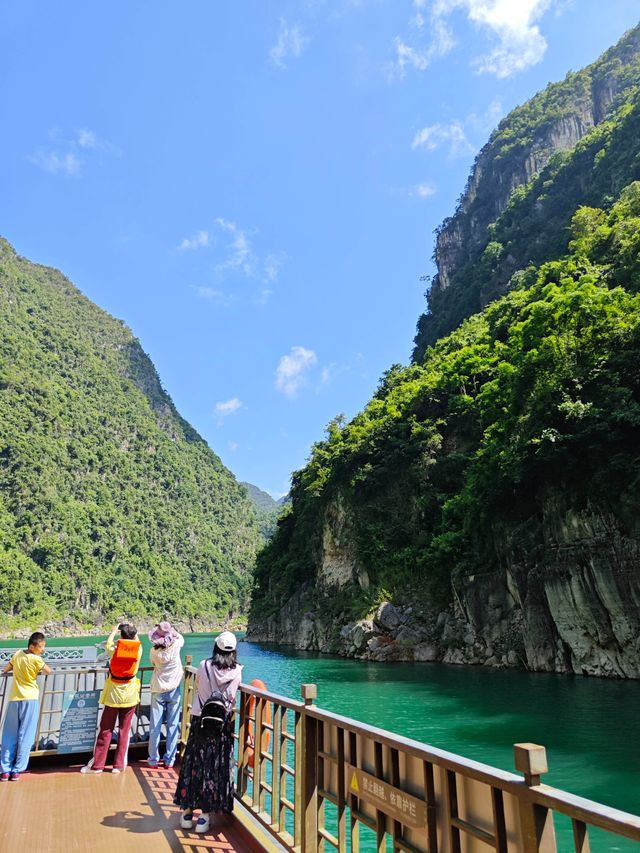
(327, 375)
(512, 22)
(291, 42)
(233, 446)
(292, 370)
(240, 256)
(435, 135)
(236, 256)
(209, 293)
(86, 138)
(423, 190)
(272, 266)
(64, 158)
(420, 58)
(198, 241)
(227, 408)
(407, 55)
(489, 119)
(442, 39)
(56, 164)
(454, 136)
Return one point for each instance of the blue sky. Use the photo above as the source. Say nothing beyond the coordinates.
(252, 186)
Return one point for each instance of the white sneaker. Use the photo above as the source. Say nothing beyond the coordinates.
(89, 769)
(186, 821)
(116, 770)
(203, 823)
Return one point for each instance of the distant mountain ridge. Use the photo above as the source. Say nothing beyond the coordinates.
(267, 510)
(110, 502)
(260, 498)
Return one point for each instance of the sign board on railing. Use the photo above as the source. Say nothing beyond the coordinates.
(392, 801)
(79, 721)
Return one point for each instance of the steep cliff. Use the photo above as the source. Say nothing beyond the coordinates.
(527, 182)
(483, 508)
(565, 599)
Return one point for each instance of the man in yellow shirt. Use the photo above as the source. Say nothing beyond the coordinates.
(21, 720)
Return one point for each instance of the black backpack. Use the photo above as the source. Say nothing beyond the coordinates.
(215, 711)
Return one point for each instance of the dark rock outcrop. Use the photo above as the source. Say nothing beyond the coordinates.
(566, 599)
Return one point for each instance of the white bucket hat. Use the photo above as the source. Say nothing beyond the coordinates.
(226, 641)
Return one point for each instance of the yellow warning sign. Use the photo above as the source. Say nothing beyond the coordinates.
(354, 783)
(398, 804)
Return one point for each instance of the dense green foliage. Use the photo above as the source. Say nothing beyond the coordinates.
(539, 392)
(260, 499)
(266, 510)
(495, 244)
(110, 503)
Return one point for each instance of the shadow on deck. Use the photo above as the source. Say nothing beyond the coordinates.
(52, 810)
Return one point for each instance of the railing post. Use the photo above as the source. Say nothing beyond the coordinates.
(536, 821)
(242, 775)
(186, 695)
(309, 776)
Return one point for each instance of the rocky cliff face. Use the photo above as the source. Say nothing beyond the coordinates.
(467, 228)
(522, 146)
(566, 599)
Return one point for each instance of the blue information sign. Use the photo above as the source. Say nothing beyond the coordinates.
(79, 721)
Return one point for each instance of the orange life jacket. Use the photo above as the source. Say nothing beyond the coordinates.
(124, 662)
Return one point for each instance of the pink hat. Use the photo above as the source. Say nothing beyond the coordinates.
(163, 634)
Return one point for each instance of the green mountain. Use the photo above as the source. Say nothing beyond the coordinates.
(261, 500)
(483, 507)
(266, 510)
(110, 502)
(572, 144)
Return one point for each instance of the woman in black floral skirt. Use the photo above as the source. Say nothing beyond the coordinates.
(206, 773)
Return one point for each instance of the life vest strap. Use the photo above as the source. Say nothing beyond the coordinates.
(119, 679)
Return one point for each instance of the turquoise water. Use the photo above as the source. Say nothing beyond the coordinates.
(590, 727)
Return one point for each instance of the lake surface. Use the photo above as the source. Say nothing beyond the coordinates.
(590, 727)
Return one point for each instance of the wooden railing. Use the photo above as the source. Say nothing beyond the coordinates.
(329, 782)
(321, 781)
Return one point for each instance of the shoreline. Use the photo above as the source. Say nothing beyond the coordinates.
(70, 628)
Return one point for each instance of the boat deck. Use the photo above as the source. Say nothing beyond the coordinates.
(59, 809)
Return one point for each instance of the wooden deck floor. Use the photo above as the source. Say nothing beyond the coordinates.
(62, 810)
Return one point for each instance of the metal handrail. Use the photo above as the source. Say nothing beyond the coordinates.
(71, 677)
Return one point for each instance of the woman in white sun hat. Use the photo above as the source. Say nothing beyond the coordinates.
(206, 772)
